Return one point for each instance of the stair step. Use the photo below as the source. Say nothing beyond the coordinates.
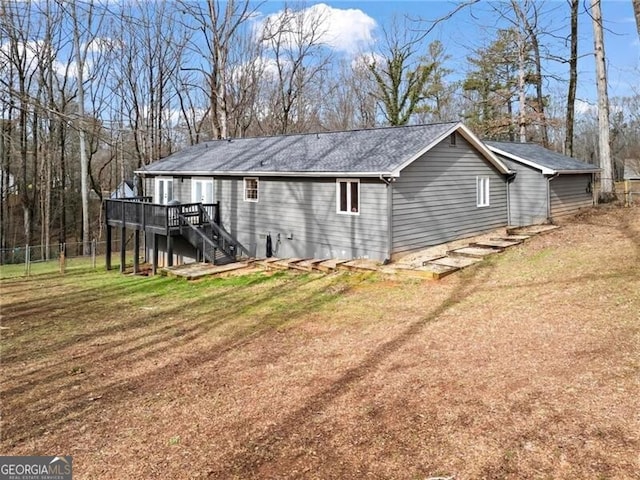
(497, 244)
(330, 265)
(310, 264)
(513, 238)
(474, 252)
(458, 262)
(194, 271)
(431, 271)
(531, 229)
(361, 264)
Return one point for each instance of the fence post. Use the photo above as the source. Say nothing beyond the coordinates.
(93, 253)
(63, 259)
(27, 260)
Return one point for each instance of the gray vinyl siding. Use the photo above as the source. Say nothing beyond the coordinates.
(302, 212)
(434, 200)
(569, 193)
(528, 196)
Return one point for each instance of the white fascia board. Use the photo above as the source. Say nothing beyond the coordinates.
(577, 172)
(470, 137)
(254, 173)
(482, 147)
(529, 163)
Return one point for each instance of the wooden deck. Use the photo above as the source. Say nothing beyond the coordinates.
(140, 214)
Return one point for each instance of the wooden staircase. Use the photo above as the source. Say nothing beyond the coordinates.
(212, 241)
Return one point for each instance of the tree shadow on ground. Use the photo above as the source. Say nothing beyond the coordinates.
(263, 448)
(167, 334)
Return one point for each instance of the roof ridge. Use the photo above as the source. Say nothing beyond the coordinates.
(328, 132)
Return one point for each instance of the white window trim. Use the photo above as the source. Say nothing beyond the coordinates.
(193, 189)
(156, 189)
(483, 191)
(348, 181)
(244, 185)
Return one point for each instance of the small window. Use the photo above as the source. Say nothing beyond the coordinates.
(482, 191)
(348, 196)
(250, 189)
(452, 139)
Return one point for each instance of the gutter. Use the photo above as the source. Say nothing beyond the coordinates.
(511, 176)
(549, 178)
(257, 173)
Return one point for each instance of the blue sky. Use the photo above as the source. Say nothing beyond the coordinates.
(475, 26)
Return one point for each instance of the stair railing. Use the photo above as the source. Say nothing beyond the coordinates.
(229, 245)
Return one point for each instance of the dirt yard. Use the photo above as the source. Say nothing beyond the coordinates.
(526, 366)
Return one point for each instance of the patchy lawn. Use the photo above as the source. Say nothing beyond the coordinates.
(525, 366)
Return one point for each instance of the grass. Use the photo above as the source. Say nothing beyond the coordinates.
(524, 366)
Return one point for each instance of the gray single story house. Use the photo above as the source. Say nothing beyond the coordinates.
(547, 185)
(375, 193)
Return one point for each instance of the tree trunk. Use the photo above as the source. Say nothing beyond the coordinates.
(84, 158)
(606, 163)
(636, 10)
(573, 80)
(522, 98)
(539, 94)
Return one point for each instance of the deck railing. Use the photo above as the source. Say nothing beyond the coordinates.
(140, 214)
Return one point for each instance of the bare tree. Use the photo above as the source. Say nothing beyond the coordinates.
(349, 101)
(19, 81)
(293, 41)
(527, 16)
(573, 78)
(85, 33)
(604, 150)
(219, 26)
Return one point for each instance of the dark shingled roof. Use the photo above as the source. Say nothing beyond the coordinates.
(540, 157)
(369, 152)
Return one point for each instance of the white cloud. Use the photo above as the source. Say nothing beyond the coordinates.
(344, 30)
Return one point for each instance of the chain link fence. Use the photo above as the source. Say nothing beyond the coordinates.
(60, 258)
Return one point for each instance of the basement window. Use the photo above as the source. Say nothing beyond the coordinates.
(250, 189)
(348, 196)
(482, 191)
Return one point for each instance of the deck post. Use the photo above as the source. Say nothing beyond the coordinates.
(144, 229)
(154, 260)
(136, 251)
(123, 248)
(107, 259)
(169, 251)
